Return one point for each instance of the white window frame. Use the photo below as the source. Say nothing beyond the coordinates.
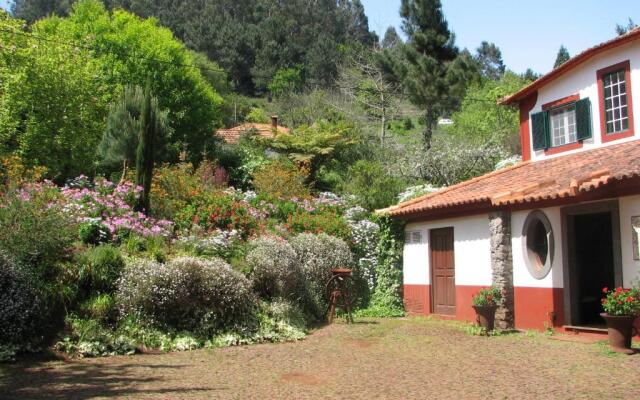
(562, 123)
(619, 112)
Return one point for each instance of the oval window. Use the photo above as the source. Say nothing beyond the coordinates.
(538, 244)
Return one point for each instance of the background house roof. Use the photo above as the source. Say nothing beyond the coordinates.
(529, 182)
(232, 135)
(570, 64)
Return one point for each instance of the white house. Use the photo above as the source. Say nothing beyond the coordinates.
(553, 230)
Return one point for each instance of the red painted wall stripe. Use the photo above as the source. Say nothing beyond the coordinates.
(417, 299)
(526, 106)
(535, 307)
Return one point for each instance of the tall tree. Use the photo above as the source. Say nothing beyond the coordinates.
(622, 29)
(153, 127)
(530, 75)
(391, 39)
(432, 74)
(364, 81)
(562, 57)
(489, 59)
(33, 10)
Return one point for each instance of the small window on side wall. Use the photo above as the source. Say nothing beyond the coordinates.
(412, 237)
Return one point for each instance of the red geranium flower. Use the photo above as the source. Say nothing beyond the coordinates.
(605, 289)
(630, 299)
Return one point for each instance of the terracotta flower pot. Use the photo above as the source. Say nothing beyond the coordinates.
(485, 316)
(620, 331)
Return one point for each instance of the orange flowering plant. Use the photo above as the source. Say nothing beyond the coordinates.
(487, 297)
(621, 301)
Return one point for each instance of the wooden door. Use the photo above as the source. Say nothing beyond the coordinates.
(443, 271)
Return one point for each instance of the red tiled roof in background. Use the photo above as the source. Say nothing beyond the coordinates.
(529, 182)
(232, 135)
(570, 64)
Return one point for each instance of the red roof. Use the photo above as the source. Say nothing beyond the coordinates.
(567, 177)
(232, 135)
(570, 64)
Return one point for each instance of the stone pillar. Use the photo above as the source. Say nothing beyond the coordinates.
(502, 265)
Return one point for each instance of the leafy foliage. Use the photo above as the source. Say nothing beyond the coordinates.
(489, 58)
(187, 294)
(621, 301)
(20, 307)
(318, 255)
(373, 187)
(281, 180)
(274, 268)
(480, 119)
(487, 297)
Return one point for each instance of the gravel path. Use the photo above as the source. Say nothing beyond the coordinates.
(378, 359)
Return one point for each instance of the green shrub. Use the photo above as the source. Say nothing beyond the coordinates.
(373, 186)
(281, 179)
(99, 268)
(288, 312)
(328, 222)
(20, 310)
(274, 268)
(100, 307)
(187, 293)
(318, 255)
(34, 233)
(94, 233)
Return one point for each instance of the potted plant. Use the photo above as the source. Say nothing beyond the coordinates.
(621, 308)
(485, 302)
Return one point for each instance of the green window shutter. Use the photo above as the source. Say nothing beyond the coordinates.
(583, 119)
(540, 130)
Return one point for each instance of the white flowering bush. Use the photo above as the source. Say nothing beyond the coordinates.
(508, 162)
(187, 293)
(19, 306)
(413, 192)
(217, 243)
(274, 268)
(317, 255)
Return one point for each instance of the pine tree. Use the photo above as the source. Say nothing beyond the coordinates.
(489, 59)
(136, 127)
(621, 29)
(431, 72)
(33, 10)
(391, 39)
(120, 139)
(562, 57)
(153, 127)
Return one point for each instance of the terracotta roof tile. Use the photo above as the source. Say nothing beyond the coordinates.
(533, 181)
(232, 135)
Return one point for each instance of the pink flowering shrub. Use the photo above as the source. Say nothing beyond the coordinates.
(111, 205)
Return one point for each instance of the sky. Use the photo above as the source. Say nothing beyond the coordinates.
(529, 33)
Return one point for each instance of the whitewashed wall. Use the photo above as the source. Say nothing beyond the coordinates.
(521, 275)
(629, 207)
(583, 80)
(471, 251)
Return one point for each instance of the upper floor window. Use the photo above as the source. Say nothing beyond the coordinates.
(616, 105)
(563, 125)
(615, 102)
(562, 122)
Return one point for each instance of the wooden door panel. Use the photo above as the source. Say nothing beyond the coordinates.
(443, 271)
